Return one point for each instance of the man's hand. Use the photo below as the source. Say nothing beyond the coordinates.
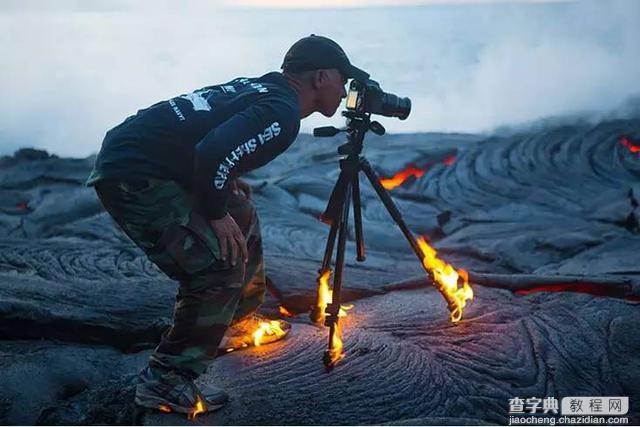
(231, 239)
(238, 185)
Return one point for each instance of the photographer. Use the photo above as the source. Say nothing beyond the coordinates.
(169, 178)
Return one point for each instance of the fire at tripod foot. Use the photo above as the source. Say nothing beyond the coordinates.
(327, 360)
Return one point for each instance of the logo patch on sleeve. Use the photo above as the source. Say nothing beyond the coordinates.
(198, 101)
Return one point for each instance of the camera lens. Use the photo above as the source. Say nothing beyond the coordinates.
(394, 106)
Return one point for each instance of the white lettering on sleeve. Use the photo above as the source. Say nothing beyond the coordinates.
(224, 169)
(275, 128)
(176, 110)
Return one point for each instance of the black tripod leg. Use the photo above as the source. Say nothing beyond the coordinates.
(397, 217)
(316, 315)
(342, 241)
(328, 251)
(332, 215)
(357, 217)
(333, 310)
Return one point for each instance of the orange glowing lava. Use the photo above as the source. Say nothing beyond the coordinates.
(447, 278)
(267, 329)
(399, 178)
(584, 288)
(634, 148)
(402, 176)
(164, 408)
(196, 410)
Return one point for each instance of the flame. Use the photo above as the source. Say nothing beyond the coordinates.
(336, 353)
(267, 328)
(325, 297)
(164, 408)
(196, 410)
(630, 145)
(283, 311)
(447, 278)
(400, 177)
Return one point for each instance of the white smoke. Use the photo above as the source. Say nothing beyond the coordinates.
(585, 60)
(73, 69)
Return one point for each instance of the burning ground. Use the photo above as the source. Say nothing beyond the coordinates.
(545, 221)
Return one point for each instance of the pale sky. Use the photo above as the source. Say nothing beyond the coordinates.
(309, 4)
(117, 5)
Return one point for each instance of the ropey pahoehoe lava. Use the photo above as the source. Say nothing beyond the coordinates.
(545, 221)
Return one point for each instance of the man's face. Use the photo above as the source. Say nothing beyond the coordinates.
(330, 84)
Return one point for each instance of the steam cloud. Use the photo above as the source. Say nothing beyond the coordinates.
(72, 70)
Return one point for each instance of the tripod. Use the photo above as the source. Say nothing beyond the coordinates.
(336, 214)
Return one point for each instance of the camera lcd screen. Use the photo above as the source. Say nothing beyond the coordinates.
(352, 99)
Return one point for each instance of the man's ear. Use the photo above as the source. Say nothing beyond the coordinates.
(319, 78)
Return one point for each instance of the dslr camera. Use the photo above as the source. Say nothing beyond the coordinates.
(368, 97)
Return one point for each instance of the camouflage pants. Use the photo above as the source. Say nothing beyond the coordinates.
(164, 221)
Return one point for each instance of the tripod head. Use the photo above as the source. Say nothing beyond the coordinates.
(358, 124)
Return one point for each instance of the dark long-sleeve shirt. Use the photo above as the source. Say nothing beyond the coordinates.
(205, 138)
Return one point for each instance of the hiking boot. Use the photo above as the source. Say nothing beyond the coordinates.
(172, 392)
(254, 330)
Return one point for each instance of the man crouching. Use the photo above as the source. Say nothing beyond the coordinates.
(169, 178)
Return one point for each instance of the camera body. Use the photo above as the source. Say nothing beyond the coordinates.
(368, 97)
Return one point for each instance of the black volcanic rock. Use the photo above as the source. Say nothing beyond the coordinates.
(44, 374)
(406, 361)
(549, 215)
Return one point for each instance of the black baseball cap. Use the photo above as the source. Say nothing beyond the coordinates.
(316, 52)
